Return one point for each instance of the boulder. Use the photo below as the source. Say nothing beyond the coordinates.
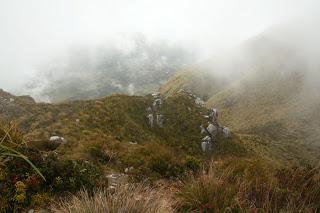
(57, 139)
(226, 132)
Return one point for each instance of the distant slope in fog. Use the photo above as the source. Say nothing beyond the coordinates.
(268, 94)
(195, 79)
(272, 97)
(138, 67)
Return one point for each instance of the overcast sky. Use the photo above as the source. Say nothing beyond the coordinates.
(33, 30)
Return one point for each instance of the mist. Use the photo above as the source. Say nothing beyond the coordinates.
(36, 31)
(134, 66)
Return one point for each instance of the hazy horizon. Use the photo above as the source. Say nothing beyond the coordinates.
(33, 32)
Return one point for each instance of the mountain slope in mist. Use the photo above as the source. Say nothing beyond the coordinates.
(196, 79)
(267, 92)
(136, 67)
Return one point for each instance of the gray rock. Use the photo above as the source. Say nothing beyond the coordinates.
(150, 119)
(226, 132)
(160, 120)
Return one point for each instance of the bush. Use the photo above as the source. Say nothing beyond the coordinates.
(69, 175)
(22, 187)
(44, 145)
(98, 154)
(192, 163)
(155, 161)
(10, 141)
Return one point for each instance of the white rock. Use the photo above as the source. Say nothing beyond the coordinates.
(156, 94)
(133, 143)
(199, 102)
(57, 139)
(54, 138)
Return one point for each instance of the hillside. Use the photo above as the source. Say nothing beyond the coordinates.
(114, 131)
(196, 79)
(111, 123)
(268, 96)
(111, 136)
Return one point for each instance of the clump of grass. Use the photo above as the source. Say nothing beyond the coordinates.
(128, 198)
(10, 141)
(247, 185)
(208, 189)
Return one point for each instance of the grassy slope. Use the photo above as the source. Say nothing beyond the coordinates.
(108, 125)
(271, 110)
(195, 79)
(267, 105)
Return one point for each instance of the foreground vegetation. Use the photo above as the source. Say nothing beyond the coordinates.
(30, 178)
(97, 145)
(231, 185)
(244, 185)
(133, 198)
(232, 182)
(168, 172)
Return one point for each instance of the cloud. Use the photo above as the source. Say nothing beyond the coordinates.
(34, 30)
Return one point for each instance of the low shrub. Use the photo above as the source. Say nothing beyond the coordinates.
(164, 162)
(192, 163)
(22, 187)
(44, 145)
(99, 154)
(154, 161)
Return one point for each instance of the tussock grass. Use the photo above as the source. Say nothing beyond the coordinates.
(246, 185)
(128, 198)
(10, 141)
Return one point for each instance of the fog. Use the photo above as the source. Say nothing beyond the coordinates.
(35, 31)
